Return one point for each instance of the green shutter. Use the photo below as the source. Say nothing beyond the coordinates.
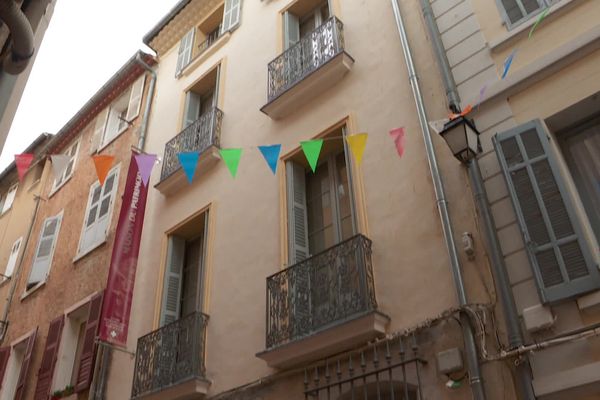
(561, 260)
(172, 282)
(297, 217)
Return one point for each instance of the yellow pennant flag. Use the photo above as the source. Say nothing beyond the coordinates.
(357, 143)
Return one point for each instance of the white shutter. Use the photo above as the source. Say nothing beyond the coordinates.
(99, 130)
(106, 200)
(10, 198)
(231, 15)
(291, 30)
(135, 99)
(45, 250)
(12, 259)
(192, 108)
(91, 214)
(297, 216)
(185, 51)
(172, 282)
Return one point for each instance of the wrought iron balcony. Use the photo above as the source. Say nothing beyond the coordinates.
(170, 355)
(320, 292)
(199, 136)
(303, 58)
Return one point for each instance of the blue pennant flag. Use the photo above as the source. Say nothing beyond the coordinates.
(271, 155)
(508, 63)
(189, 161)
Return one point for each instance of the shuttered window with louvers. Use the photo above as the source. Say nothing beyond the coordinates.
(24, 372)
(560, 257)
(171, 302)
(46, 371)
(88, 351)
(4, 356)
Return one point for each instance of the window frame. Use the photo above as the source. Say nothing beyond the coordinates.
(82, 252)
(12, 260)
(526, 17)
(13, 189)
(65, 178)
(60, 216)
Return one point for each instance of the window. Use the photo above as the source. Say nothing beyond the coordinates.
(45, 251)
(303, 18)
(72, 152)
(183, 285)
(17, 369)
(517, 11)
(49, 356)
(558, 252)
(319, 204)
(10, 198)
(201, 98)
(209, 31)
(12, 258)
(98, 212)
(116, 118)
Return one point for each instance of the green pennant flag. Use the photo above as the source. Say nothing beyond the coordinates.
(312, 149)
(232, 159)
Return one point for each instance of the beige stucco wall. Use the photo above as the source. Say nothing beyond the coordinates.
(412, 273)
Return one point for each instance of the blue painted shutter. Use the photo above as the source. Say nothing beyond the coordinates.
(561, 260)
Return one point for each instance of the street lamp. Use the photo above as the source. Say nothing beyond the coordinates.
(462, 137)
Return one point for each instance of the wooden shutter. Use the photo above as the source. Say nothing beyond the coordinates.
(4, 356)
(88, 351)
(45, 249)
(184, 54)
(99, 130)
(172, 282)
(10, 198)
(192, 108)
(291, 29)
(24, 372)
(135, 99)
(561, 261)
(231, 15)
(297, 218)
(46, 371)
(12, 259)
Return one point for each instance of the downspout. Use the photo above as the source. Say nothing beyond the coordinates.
(21, 35)
(475, 378)
(442, 59)
(148, 105)
(512, 323)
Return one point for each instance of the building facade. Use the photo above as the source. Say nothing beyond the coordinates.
(55, 295)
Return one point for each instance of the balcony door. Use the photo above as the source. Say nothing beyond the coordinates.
(201, 98)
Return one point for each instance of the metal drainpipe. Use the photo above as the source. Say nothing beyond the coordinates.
(475, 378)
(440, 55)
(511, 317)
(148, 105)
(22, 37)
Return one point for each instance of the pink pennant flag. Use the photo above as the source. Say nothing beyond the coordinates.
(398, 136)
(23, 161)
(145, 163)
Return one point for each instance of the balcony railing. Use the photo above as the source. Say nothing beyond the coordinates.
(170, 355)
(210, 39)
(199, 136)
(306, 56)
(324, 290)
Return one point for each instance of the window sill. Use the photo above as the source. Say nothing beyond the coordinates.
(81, 255)
(56, 189)
(32, 290)
(200, 58)
(524, 28)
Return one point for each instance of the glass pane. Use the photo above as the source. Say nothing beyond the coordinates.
(108, 184)
(69, 168)
(92, 216)
(45, 247)
(104, 207)
(512, 10)
(96, 195)
(343, 195)
(50, 227)
(530, 5)
(191, 275)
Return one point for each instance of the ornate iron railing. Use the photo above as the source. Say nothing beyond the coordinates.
(170, 355)
(321, 291)
(199, 136)
(306, 56)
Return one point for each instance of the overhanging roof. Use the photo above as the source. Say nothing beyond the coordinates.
(164, 21)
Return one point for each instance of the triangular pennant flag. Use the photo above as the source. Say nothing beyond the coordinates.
(357, 143)
(59, 164)
(145, 163)
(103, 164)
(508, 63)
(481, 95)
(271, 155)
(231, 157)
(398, 136)
(312, 149)
(539, 20)
(189, 161)
(23, 161)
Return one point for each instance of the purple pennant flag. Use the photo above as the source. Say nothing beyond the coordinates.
(145, 163)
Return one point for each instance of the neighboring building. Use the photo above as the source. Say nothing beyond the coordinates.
(541, 166)
(243, 283)
(37, 14)
(53, 317)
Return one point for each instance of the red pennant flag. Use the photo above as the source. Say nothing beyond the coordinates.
(103, 164)
(23, 161)
(398, 137)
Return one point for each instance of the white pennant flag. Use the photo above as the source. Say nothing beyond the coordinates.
(59, 163)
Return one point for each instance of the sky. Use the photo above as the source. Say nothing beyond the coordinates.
(86, 43)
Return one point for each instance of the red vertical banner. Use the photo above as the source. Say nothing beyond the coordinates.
(121, 276)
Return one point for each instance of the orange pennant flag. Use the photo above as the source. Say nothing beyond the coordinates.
(467, 110)
(103, 164)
